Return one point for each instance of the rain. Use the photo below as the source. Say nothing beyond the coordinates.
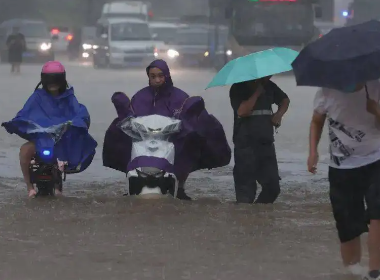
(94, 232)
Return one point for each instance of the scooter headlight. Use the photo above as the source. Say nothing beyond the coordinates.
(45, 154)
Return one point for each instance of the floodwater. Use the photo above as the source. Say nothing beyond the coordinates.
(96, 233)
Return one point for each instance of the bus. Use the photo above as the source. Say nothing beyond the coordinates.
(261, 24)
(360, 11)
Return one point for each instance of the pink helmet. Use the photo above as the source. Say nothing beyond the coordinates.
(53, 67)
(53, 72)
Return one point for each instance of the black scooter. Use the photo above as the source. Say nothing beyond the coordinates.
(46, 176)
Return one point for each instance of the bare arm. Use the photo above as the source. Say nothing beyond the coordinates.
(246, 106)
(316, 129)
(377, 115)
(283, 107)
(373, 108)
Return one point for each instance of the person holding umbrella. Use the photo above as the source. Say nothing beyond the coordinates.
(252, 95)
(345, 63)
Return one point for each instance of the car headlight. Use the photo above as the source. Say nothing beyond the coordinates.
(45, 46)
(95, 47)
(172, 53)
(229, 52)
(87, 46)
(206, 54)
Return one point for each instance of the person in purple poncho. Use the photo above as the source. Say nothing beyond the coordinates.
(201, 144)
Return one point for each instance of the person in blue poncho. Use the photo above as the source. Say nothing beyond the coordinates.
(53, 104)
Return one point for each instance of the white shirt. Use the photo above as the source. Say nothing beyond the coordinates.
(354, 133)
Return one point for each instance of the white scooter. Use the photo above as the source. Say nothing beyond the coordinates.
(150, 171)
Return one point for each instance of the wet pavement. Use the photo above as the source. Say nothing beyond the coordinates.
(96, 233)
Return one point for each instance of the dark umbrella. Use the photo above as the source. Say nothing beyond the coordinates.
(343, 57)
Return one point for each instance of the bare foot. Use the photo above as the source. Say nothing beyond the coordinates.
(32, 193)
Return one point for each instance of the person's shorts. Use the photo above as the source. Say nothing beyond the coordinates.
(351, 190)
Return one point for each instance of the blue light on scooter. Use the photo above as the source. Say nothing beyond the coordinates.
(46, 153)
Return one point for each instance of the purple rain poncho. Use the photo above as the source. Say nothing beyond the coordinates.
(201, 144)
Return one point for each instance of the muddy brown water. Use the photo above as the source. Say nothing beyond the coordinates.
(96, 233)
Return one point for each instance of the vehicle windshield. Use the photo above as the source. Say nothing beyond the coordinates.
(55, 131)
(191, 38)
(165, 34)
(35, 30)
(273, 23)
(128, 31)
(89, 33)
(197, 38)
(140, 128)
(362, 11)
(223, 37)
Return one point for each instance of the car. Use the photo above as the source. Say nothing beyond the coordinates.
(37, 37)
(61, 36)
(123, 42)
(88, 42)
(195, 46)
(164, 33)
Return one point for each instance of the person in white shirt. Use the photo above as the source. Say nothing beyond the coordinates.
(353, 118)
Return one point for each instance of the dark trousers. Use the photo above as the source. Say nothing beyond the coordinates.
(349, 189)
(256, 163)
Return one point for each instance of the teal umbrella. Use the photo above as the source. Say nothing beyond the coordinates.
(255, 66)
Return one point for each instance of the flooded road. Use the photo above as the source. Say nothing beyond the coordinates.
(95, 233)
